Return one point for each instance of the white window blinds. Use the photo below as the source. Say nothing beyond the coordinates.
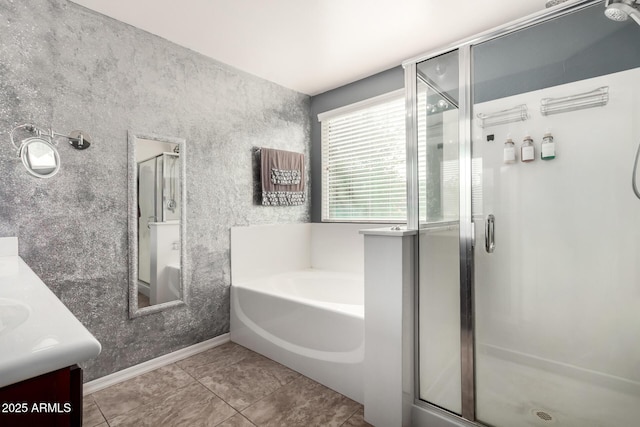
(364, 162)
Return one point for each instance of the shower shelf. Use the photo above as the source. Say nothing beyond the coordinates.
(518, 113)
(596, 98)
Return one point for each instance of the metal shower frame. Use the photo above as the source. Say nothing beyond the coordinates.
(466, 225)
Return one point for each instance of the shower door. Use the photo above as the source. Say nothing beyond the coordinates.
(557, 252)
(146, 214)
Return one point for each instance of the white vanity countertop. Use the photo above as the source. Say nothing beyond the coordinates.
(38, 333)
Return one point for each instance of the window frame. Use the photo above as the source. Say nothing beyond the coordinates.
(388, 97)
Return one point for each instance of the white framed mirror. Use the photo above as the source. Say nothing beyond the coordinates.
(157, 189)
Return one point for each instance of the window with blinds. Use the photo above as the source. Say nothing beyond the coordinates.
(364, 162)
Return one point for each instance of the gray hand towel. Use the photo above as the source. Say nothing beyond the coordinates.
(282, 175)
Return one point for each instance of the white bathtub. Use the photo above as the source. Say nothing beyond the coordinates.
(309, 320)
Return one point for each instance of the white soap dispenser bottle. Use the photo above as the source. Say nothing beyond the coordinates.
(527, 150)
(509, 151)
(548, 147)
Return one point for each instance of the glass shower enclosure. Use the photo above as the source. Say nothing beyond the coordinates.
(159, 194)
(528, 289)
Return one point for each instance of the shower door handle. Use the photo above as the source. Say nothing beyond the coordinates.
(490, 234)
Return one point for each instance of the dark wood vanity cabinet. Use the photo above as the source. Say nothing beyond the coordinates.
(52, 399)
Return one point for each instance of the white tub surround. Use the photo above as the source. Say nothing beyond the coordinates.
(297, 297)
(338, 247)
(388, 362)
(264, 250)
(38, 334)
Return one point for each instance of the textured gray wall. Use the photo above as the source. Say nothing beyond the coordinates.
(66, 66)
(369, 87)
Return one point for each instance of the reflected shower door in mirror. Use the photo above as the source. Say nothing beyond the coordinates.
(156, 223)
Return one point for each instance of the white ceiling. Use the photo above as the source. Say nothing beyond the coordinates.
(313, 46)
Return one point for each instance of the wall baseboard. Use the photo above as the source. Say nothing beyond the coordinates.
(150, 365)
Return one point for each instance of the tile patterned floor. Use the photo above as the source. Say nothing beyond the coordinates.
(227, 386)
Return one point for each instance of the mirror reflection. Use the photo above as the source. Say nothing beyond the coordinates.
(39, 157)
(159, 177)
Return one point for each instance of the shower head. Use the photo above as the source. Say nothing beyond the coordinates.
(621, 10)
